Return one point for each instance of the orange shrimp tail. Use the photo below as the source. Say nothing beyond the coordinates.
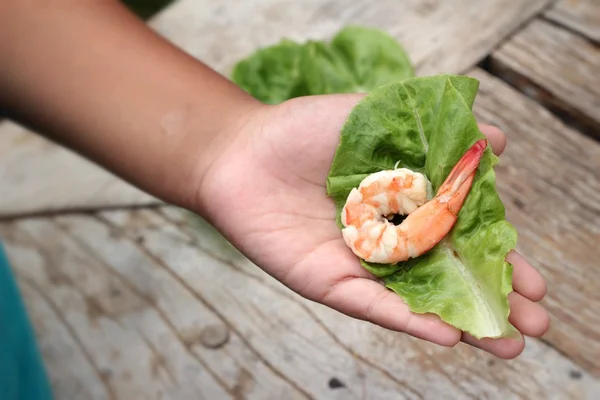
(464, 168)
(457, 200)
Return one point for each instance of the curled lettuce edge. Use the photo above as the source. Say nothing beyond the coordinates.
(356, 59)
(464, 279)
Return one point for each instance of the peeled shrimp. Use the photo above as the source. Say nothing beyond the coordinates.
(365, 216)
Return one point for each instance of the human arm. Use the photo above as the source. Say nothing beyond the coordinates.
(93, 77)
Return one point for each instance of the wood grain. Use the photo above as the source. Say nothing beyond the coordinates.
(438, 35)
(136, 289)
(582, 16)
(69, 367)
(145, 329)
(549, 180)
(557, 68)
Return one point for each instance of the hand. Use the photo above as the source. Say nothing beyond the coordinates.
(267, 195)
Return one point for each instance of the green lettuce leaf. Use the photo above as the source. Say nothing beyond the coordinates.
(426, 124)
(358, 59)
(374, 57)
(272, 74)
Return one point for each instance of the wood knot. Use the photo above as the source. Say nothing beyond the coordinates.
(575, 375)
(335, 383)
(214, 336)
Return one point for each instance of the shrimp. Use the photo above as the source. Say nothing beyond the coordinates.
(365, 216)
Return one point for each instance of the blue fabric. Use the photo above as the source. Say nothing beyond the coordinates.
(22, 372)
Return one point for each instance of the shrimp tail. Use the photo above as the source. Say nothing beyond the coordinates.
(457, 185)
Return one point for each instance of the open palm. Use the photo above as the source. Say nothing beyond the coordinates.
(267, 196)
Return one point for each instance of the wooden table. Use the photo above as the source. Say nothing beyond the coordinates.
(132, 299)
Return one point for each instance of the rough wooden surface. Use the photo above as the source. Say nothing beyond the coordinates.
(582, 16)
(123, 302)
(37, 175)
(558, 68)
(151, 304)
(438, 35)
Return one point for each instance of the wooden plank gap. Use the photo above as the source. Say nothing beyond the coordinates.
(555, 67)
(81, 210)
(570, 28)
(582, 16)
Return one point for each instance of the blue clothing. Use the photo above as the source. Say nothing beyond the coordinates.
(22, 372)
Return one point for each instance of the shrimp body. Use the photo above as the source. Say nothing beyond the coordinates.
(370, 234)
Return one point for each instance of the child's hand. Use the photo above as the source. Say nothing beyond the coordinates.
(267, 194)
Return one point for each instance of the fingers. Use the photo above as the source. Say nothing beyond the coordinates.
(502, 348)
(495, 137)
(526, 280)
(370, 301)
(529, 287)
(528, 317)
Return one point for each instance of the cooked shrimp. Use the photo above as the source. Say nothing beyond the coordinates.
(372, 237)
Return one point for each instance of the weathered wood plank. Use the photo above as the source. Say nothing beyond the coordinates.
(556, 67)
(38, 175)
(549, 180)
(438, 35)
(71, 371)
(296, 341)
(145, 333)
(93, 302)
(582, 16)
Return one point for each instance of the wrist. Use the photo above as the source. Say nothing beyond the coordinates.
(210, 153)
